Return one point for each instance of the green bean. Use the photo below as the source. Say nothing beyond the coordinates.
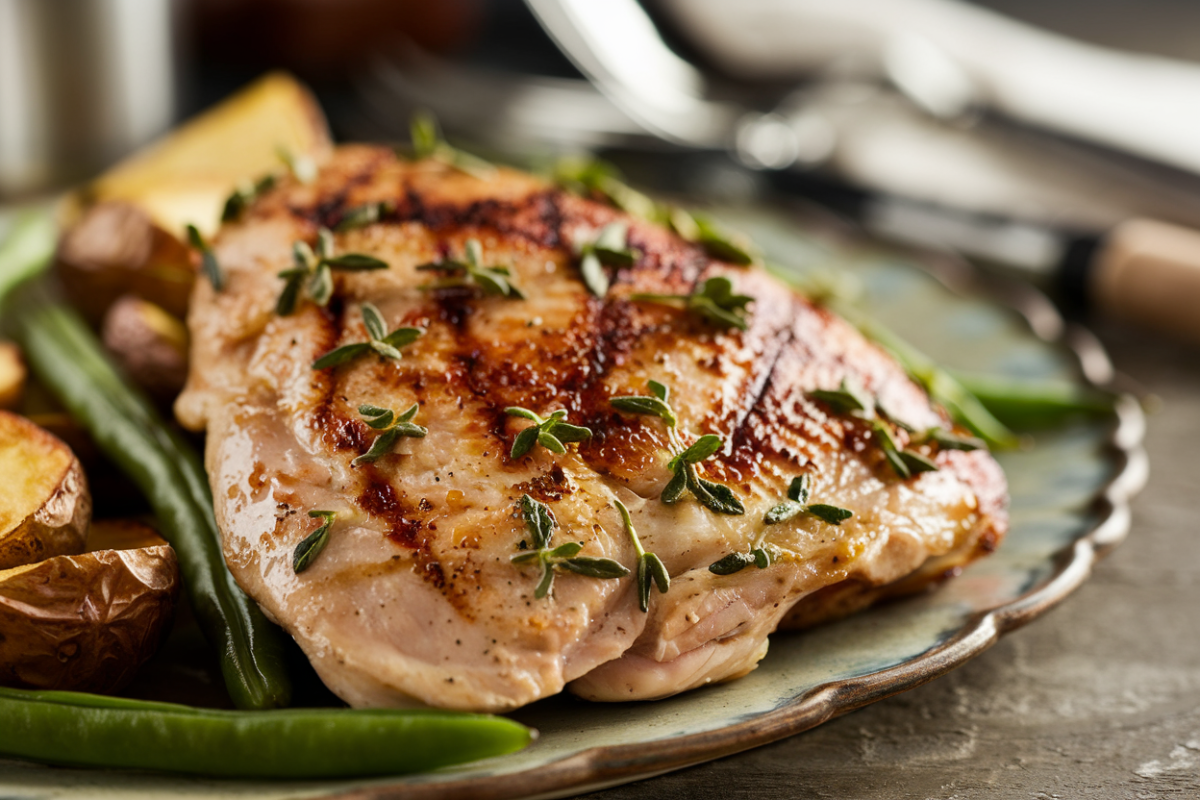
(95, 731)
(67, 358)
(1026, 404)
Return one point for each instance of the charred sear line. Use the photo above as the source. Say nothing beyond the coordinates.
(746, 445)
(379, 499)
(326, 421)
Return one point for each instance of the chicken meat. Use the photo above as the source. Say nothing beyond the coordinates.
(392, 563)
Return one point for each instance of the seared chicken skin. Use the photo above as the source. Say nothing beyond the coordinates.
(416, 597)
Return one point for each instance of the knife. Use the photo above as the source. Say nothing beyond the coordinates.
(1142, 271)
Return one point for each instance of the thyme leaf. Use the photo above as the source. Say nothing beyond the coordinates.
(313, 272)
(495, 280)
(311, 546)
(427, 142)
(797, 503)
(208, 259)
(552, 433)
(302, 167)
(387, 346)
(245, 193)
(650, 569)
(714, 496)
(364, 215)
(393, 426)
(608, 246)
(713, 300)
(540, 523)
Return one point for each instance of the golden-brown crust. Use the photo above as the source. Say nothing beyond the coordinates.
(425, 535)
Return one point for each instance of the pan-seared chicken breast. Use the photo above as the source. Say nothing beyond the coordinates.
(415, 596)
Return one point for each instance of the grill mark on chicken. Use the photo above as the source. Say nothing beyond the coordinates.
(746, 448)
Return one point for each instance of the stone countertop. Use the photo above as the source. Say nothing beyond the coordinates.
(1099, 698)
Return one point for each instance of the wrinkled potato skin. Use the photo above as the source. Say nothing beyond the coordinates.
(58, 525)
(149, 343)
(12, 375)
(87, 622)
(116, 249)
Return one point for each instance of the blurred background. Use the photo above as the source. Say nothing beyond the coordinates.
(1016, 132)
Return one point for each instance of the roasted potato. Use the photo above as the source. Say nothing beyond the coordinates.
(117, 249)
(12, 375)
(149, 343)
(45, 506)
(186, 176)
(85, 622)
(122, 534)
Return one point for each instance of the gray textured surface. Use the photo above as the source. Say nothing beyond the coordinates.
(1098, 699)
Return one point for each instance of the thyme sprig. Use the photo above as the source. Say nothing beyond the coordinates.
(427, 142)
(393, 427)
(762, 554)
(494, 280)
(552, 433)
(311, 546)
(245, 193)
(592, 177)
(313, 272)
(379, 340)
(714, 300)
(366, 214)
(302, 167)
(540, 523)
(651, 571)
(714, 496)
(208, 259)
(849, 399)
(608, 246)
(797, 503)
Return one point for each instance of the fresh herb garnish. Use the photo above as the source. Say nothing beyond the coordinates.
(540, 523)
(208, 259)
(946, 440)
(846, 399)
(650, 569)
(245, 193)
(714, 300)
(761, 556)
(712, 495)
(592, 176)
(427, 142)
(493, 280)
(797, 503)
(551, 433)
(312, 545)
(394, 426)
(303, 168)
(314, 272)
(364, 215)
(380, 341)
(608, 246)
(719, 243)
(849, 399)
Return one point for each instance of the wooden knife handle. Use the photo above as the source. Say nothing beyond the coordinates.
(1148, 272)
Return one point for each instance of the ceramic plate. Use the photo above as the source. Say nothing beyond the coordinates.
(1069, 504)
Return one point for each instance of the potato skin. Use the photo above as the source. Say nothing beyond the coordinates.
(58, 526)
(12, 375)
(116, 249)
(87, 622)
(149, 343)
